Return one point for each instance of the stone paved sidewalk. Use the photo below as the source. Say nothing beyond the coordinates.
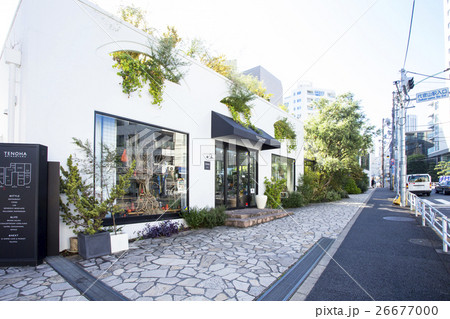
(223, 263)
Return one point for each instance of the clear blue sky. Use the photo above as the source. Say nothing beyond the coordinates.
(353, 46)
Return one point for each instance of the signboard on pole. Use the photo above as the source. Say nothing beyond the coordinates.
(432, 95)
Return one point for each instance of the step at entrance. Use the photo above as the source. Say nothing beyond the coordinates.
(252, 216)
(290, 281)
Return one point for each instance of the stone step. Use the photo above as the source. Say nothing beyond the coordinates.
(255, 219)
(251, 212)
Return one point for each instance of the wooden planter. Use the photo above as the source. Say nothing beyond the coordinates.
(91, 246)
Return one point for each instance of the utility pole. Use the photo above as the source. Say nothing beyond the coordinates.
(406, 85)
(393, 141)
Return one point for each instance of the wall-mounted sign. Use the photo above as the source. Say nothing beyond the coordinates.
(23, 204)
(207, 166)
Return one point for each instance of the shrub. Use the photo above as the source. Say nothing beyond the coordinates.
(295, 199)
(204, 217)
(165, 229)
(363, 183)
(331, 196)
(215, 217)
(307, 183)
(273, 191)
(343, 193)
(351, 188)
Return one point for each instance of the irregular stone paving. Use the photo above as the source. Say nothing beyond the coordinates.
(222, 263)
(35, 283)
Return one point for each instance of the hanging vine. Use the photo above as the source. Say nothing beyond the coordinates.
(238, 102)
(161, 64)
(285, 130)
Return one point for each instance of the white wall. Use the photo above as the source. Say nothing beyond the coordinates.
(67, 75)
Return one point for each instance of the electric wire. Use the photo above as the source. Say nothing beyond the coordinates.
(409, 34)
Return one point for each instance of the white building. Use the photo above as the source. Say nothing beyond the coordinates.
(57, 67)
(440, 109)
(300, 100)
(411, 122)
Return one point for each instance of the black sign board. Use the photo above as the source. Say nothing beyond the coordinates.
(207, 165)
(23, 204)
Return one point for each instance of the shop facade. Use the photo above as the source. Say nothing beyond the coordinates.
(188, 152)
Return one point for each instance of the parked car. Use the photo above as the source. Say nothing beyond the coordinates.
(443, 187)
(419, 184)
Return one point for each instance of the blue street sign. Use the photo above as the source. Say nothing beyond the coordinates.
(432, 95)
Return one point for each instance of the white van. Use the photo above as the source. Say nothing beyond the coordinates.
(419, 184)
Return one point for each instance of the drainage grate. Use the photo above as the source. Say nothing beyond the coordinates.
(287, 284)
(89, 286)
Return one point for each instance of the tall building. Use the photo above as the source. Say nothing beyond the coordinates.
(270, 81)
(411, 123)
(440, 114)
(300, 100)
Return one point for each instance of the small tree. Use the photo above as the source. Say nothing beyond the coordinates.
(80, 209)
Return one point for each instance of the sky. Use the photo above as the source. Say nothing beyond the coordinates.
(356, 46)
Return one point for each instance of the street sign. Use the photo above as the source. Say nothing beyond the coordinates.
(432, 95)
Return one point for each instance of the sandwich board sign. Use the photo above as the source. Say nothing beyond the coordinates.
(432, 95)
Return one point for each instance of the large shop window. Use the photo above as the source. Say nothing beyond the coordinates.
(284, 167)
(159, 184)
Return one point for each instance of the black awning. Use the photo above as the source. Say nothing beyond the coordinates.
(224, 126)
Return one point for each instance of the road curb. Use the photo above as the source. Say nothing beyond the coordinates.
(309, 283)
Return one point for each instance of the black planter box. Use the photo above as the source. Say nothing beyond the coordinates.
(91, 246)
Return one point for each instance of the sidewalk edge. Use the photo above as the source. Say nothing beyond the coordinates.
(308, 284)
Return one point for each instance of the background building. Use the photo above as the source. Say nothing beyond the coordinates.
(271, 83)
(300, 100)
(411, 123)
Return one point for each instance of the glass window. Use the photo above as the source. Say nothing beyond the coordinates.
(284, 168)
(159, 183)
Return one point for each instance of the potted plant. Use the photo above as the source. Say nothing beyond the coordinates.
(84, 213)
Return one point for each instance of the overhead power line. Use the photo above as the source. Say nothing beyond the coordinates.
(409, 34)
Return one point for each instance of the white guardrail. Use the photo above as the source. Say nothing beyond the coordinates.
(438, 221)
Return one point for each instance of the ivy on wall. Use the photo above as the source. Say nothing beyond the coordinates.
(285, 130)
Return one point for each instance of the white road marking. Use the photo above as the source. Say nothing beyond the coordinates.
(443, 201)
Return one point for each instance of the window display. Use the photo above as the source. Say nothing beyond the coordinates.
(160, 177)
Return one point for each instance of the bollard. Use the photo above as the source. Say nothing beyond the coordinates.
(423, 211)
(444, 236)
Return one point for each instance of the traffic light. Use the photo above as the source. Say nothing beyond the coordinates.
(410, 83)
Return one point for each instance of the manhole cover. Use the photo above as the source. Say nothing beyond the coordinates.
(399, 219)
(421, 242)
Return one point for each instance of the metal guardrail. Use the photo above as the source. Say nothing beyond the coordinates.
(438, 221)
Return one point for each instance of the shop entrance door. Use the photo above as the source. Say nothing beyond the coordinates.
(237, 167)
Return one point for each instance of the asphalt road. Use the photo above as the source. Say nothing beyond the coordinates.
(387, 255)
(438, 201)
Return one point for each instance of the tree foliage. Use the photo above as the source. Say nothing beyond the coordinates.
(443, 168)
(417, 164)
(335, 139)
